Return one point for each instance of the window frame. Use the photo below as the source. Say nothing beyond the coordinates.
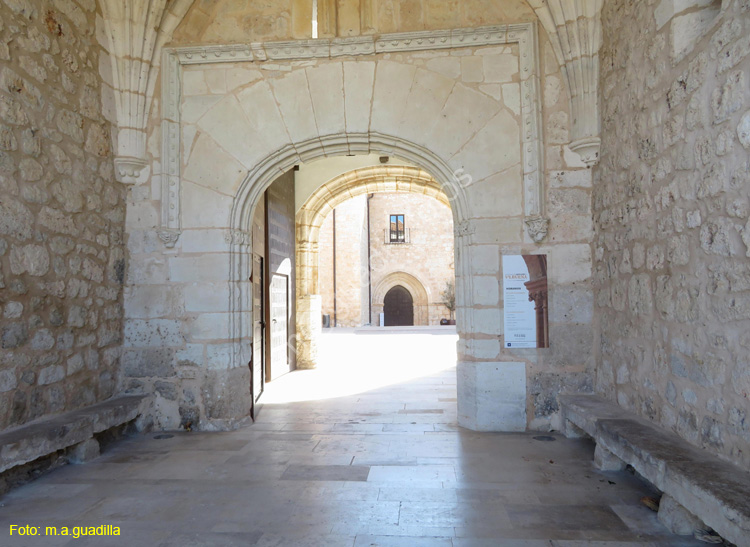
(394, 234)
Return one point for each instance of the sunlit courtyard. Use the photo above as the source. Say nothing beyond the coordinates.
(356, 361)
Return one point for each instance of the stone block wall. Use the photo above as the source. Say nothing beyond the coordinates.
(62, 259)
(351, 250)
(428, 255)
(671, 207)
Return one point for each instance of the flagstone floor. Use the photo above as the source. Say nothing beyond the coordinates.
(362, 452)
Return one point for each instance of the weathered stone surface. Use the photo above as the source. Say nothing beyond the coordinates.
(84, 452)
(677, 519)
(52, 187)
(14, 335)
(33, 259)
(673, 200)
(146, 363)
(15, 219)
(694, 483)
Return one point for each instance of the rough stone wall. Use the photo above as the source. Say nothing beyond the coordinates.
(428, 255)
(671, 205)
(62, 215)
(226, 21)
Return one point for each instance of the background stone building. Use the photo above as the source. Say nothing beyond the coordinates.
(611, 136)
(416, 256)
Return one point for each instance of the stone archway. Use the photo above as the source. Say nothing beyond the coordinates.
(416, 288)
(221, 153)
(310, 217)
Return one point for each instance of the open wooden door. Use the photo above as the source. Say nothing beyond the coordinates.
(257, 365)
(278, 317)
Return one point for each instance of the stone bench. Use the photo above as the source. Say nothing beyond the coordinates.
(697, 486)
(74, 429)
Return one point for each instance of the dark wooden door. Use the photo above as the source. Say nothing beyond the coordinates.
(257, 368)
(398, 308)
(278, 358)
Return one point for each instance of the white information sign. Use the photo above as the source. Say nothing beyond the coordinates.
(520, 314)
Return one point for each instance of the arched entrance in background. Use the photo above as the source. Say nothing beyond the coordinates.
(310, 217)
(420, 297)
(398, 308)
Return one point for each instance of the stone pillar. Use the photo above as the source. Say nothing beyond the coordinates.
(309, 310)
(491, 396)
(327, 17)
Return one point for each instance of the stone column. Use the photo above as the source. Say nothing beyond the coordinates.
(491, 393)
(309, 310)
(309, 304)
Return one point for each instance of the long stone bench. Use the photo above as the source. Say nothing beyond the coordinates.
(77, 428)
(697, 486)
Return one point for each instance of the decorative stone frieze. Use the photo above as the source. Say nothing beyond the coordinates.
(574, 30)
(135, 31)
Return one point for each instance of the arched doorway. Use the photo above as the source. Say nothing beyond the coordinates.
(398, 308)
(260, 129)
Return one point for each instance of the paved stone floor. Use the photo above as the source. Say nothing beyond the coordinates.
(363, 452)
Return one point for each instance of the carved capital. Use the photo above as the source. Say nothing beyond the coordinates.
(537, 228)
(169, 237)
(129, 169)
(588, 149)
(464, 229)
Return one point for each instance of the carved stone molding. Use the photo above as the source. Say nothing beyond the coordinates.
(574, 29)
(524, 34)
(537, 228)
(169, 237)
(129, 169)
(238, 237)
(464, 229)
(135, 31)
(588, 149)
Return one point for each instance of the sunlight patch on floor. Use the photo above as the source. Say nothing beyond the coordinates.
(352, 363)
